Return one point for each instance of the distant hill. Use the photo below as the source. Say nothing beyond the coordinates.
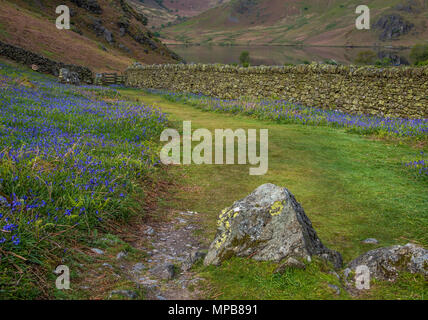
(106, 35)
(314, 22)
(167, 12)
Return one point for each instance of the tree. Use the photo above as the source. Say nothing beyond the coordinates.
(244, 58)
(365, 57)
(419, 54)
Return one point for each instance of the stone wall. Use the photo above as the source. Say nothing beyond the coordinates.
(44, 65)
(395, 92)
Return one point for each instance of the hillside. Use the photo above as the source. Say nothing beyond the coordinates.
(315, 22)
(105, 35)
(168, 12)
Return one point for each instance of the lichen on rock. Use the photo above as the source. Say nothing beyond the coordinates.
(386, 263)
(267, 225)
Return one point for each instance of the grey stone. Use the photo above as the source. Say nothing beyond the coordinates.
(69, 77)
(371, 241)
(125, 293)
(107, 265)
(165, 271)
(108, 36)
(385, 263)
(290, 263)
(335, 288)
(267, 225)
(191, 259)
(97, 251)
(346, 273)
(138, 267)
(149, 231)
(121, 255)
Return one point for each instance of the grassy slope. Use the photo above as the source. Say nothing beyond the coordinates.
(351, 187)
(171, 10)
(318, 22)
(25, 24)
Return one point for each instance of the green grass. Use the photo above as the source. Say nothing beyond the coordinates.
(352, 187)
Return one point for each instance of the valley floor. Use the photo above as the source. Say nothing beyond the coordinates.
(351, 186)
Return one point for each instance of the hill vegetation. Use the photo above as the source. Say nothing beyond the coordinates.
(319, 22)
(105, 35)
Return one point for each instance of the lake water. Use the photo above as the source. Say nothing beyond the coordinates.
(276, 55)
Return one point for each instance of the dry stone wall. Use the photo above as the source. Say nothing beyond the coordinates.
(44, 64)
(392, 92)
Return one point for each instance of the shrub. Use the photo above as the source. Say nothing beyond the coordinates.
(365, 57)
(244, 58)
(383, 62)
(419, 53)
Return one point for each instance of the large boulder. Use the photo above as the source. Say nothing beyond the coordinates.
(267, 225)
(385, 263)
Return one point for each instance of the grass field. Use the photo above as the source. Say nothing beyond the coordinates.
(352, 187)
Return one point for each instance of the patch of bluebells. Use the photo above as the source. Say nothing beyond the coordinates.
(420, 166)
(285, 112)
(66, 158)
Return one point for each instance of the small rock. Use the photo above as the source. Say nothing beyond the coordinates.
(121, 255)
(149, 231)
(147, 282)
(166, 271)
(108, 265)
(290, 263)
(346, 273)
(191, 259)
(385, 263)
(125, 293)
(371, 241)
(335, 288)
(97, 251)
(138, 267)
(334, 273)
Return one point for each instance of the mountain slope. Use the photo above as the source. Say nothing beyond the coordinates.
(315, 22)
(105, 35)
(167, 12)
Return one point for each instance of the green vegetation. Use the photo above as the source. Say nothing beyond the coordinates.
(365, 57)
(244, 58)
(419, 54)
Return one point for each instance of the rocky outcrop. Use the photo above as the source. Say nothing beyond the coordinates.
(395, 58)
(267, 225)
(43, 64)
(386, 263)
(102, 31)
(89, 5)
(392, 27)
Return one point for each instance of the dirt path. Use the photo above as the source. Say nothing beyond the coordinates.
(169, 245)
